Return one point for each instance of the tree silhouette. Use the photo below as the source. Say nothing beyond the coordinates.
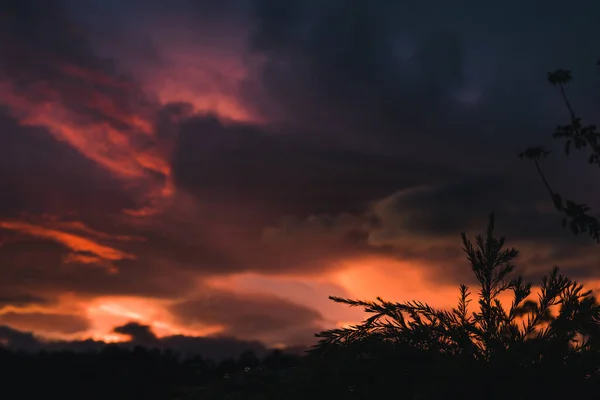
(575, 134)
(116, 372)
(554, 334)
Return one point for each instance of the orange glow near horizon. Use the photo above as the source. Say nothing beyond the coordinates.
(363, 279)
(394, 280)
(108, 312)
(359, 281)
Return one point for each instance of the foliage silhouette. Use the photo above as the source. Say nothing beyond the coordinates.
(555, 336)
(576, 134)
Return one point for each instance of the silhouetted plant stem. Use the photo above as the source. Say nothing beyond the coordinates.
(577, 216)
(544, 180)
(566, 100)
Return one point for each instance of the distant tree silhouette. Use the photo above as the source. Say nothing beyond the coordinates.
(545, 346)
(120, 373)
(579, 136)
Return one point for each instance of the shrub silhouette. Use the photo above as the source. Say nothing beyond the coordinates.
(579, 136)
(547, 346)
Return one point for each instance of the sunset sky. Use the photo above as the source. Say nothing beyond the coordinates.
(204, 167)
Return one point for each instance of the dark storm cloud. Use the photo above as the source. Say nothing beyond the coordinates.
(451, 207)
(33, 30)
(252, 316)
(425, 223)
(43, 46)
(46, 322)
(21, 299)
(468, 82)
(372, 75)
(280, 174)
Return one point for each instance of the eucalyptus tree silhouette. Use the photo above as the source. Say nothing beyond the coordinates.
(577, 135)
(492, 351)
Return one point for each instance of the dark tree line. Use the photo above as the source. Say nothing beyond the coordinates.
(118, 373)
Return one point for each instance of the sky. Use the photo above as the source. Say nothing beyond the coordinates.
(203, 173)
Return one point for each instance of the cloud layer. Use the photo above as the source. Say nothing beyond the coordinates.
(202, 169)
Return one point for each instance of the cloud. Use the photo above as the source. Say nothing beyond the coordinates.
(460, 90)
(138, 333)
(278, 173)
(40, 175)
(45, 322)
(183, 60)
(53, 80)
(449, 207)
(424, 223)
(258, 316)
(21, 299)
(37, 267)
(84, 248)
(341, 145)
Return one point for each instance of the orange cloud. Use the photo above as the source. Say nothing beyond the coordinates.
(51, 322)
(141, 212)
(81, 227)
(99, 142)
(78, 244)
(311, 291)
(363, 278)
(113, 135)
(75, 258)
(394, 280)
(209, 77)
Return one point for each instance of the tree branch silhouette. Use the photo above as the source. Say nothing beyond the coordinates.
(577, 215)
